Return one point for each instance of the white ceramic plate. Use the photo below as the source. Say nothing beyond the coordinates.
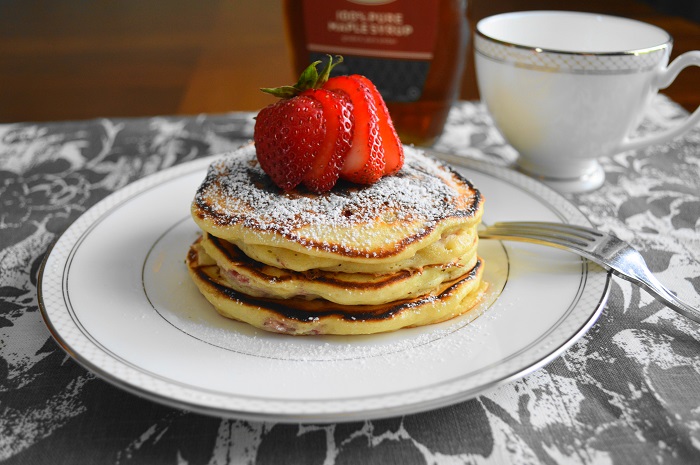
(115, 293)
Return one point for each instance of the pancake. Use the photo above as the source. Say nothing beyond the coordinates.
(246, 275)
(453, 243)
(355, 260)
(313, 317)
(386, 222)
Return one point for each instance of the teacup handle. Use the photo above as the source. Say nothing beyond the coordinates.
(663, 80)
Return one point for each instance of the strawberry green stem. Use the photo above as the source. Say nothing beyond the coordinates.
(309, 79)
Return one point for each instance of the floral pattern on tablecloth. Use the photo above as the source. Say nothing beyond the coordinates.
(625, 393)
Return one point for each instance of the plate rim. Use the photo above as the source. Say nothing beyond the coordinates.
(319, 416)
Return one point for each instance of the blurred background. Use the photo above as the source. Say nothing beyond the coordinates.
(78, 59)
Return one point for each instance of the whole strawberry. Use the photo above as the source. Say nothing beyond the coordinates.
(303, 138)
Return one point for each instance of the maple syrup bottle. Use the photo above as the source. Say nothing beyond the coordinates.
(413, 50)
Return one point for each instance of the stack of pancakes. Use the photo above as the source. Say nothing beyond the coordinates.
(355, 260)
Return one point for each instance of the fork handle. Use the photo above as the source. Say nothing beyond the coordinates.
(657, 290)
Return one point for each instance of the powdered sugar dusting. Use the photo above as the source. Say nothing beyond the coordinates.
(237, 191)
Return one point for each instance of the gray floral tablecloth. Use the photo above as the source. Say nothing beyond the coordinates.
(627, 392)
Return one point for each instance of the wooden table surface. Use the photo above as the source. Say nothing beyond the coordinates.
(75, 59)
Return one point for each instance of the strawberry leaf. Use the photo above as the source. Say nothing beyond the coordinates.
(326, 71)
(308, 78)
(281, 92)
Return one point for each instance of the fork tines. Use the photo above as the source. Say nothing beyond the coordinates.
(559, 233)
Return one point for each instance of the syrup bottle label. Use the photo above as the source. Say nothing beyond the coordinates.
(390, 41)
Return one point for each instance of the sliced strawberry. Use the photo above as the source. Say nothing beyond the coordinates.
(326, 128)
(393, 149)
(364, 162)
(329, 160)
(288, 135)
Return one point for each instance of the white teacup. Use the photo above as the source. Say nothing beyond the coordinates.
(566, 88)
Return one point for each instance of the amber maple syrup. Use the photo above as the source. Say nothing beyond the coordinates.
(413, 51)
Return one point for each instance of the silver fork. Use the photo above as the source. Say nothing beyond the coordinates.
(610, 252)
